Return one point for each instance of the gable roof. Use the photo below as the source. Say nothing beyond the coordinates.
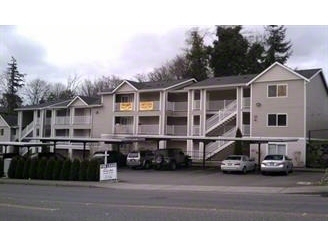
(86, 100)
(284, 67)
(11, 120)
(150, 85)
(308, 73)
(223, 81)
(56, 103)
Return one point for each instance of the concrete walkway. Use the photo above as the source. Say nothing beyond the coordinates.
(301, 189)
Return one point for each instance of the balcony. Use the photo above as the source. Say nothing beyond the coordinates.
(123, 129)
(196, 105)
(177, 106)
(196, 130)
(149, 106)
(217, 105)
(148, 129)
(246, 103)
(82, 120)
(62, 120)
(176, 130)
(124, 107)
(246, 130)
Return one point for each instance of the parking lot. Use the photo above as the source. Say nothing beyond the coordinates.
(212, 176)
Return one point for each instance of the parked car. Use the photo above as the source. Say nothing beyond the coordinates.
(171, 158)
(47, 155)
(140, 159)
(112, 156)
(238, 163)
(276, 163)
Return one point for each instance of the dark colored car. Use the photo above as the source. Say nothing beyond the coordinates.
(140, 159)
(113, 156)
(171, 158)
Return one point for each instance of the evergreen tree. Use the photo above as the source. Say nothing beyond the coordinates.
(238, 148)
(197, 56)
(228, 54)
(277, 49)
(15, 80)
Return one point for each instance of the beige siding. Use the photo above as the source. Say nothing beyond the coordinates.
(317, 105)
(125, 88)
(292, 105)
(277, 73)
(6, 131)
(77, 103)
(103, 117)
(294, 151)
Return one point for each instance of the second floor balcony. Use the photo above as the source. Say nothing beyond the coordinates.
(75, 120)
(177, 130)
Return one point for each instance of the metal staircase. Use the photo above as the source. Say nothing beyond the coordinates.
(27, 130)
(215, 147)
(222, 116)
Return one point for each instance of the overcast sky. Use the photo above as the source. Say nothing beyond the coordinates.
(54, 52)
(52, 40)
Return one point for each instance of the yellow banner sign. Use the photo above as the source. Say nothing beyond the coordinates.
(145, 106)
(126, 106)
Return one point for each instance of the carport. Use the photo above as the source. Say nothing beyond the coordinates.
(206, 140)
(27, 145)
(84, 141)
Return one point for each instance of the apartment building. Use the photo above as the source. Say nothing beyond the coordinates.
(8, 131)
(277, 103)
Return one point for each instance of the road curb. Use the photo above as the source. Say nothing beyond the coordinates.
(309, 189)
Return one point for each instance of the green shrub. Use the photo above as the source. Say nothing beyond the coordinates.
(12, 168)
(93, 171)
(83, 170)
(49, 169)
(64, 174)
(42, 163)
(26, 169)
(57, 169)
(32, 173)
(19, 168)
(74, 172)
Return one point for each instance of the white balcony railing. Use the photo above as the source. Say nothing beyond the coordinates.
(124, 129)
(196, 131)
(177, 106)
(217, 105)
(196, 105)
(62, 120)
(148, 129)
(176, 130)
(246, 103)
(246, 130)
(82, 120)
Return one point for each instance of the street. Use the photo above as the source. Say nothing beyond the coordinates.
(51, 203)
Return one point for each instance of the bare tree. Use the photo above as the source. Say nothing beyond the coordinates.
(87, 88)
(141, 77)
(36, 91)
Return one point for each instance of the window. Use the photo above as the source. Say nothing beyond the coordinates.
(277, 119)
(277, 90)
(1, 132)
(277, 149)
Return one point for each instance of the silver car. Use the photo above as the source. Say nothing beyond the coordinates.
(276, 163)
(140, 159)
(239, 163)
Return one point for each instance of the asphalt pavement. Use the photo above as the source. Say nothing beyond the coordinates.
(301, 181)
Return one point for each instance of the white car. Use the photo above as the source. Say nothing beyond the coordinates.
(238, 163)
(277, 163)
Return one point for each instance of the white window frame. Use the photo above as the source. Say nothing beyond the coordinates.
(277, 85)
(277, 114)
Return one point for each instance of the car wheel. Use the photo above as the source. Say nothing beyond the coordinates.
(263, 173)
(173, 165)
(224, 172)
(147, 165)
(244, 170)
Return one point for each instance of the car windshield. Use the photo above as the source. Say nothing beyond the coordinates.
(274, 157)
(133, 154)
(236, 158)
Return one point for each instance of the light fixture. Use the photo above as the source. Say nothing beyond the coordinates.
(258, 104)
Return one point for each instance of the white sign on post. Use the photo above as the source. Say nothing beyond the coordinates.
(108, 171)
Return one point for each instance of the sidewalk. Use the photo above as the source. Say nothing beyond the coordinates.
(301, 189)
